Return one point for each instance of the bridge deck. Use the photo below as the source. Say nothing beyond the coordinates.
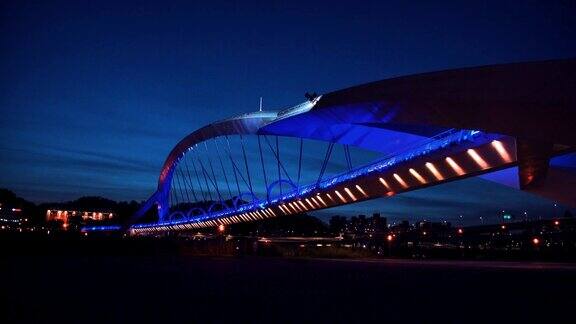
(453, 156)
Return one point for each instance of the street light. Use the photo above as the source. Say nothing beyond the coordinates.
(555, 210)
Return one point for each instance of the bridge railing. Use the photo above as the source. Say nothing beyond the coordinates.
(439, 141)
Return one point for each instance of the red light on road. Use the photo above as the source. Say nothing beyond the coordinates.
(503, 227)
(556, 222)
(460, 231)
(536, 241)
(389, 237)
(221, 228)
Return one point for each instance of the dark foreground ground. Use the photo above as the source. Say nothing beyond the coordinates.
(176, 288)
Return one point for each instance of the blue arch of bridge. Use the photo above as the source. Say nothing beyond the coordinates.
(190, 213)
(217, 203)
(177, 213)
(238, 198)
(279, 182)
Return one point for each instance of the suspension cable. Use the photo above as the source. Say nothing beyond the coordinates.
(325, 163)
(181, 196)
(278, 166)
(300, 162)
(233, 165)
(277, 158)
(206, 178)
(204, 173)
(190, 178)
(348, 157)
(175, 197)
(204, 196)
(222, 165)
(215, 182)
(237, 169)
(180, 185)
(184, 182)
(263, 168)
(246, 163)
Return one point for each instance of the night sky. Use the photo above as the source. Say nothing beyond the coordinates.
(94, 94)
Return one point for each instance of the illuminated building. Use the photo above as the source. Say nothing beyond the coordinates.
(65, 217)
(11, 217)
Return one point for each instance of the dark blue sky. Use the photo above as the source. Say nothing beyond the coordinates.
(93, 95)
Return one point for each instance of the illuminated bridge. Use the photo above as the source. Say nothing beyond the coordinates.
(370, 141)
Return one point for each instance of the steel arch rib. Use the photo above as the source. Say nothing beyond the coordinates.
(247, 124)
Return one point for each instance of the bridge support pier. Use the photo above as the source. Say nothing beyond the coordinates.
(538, 176)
